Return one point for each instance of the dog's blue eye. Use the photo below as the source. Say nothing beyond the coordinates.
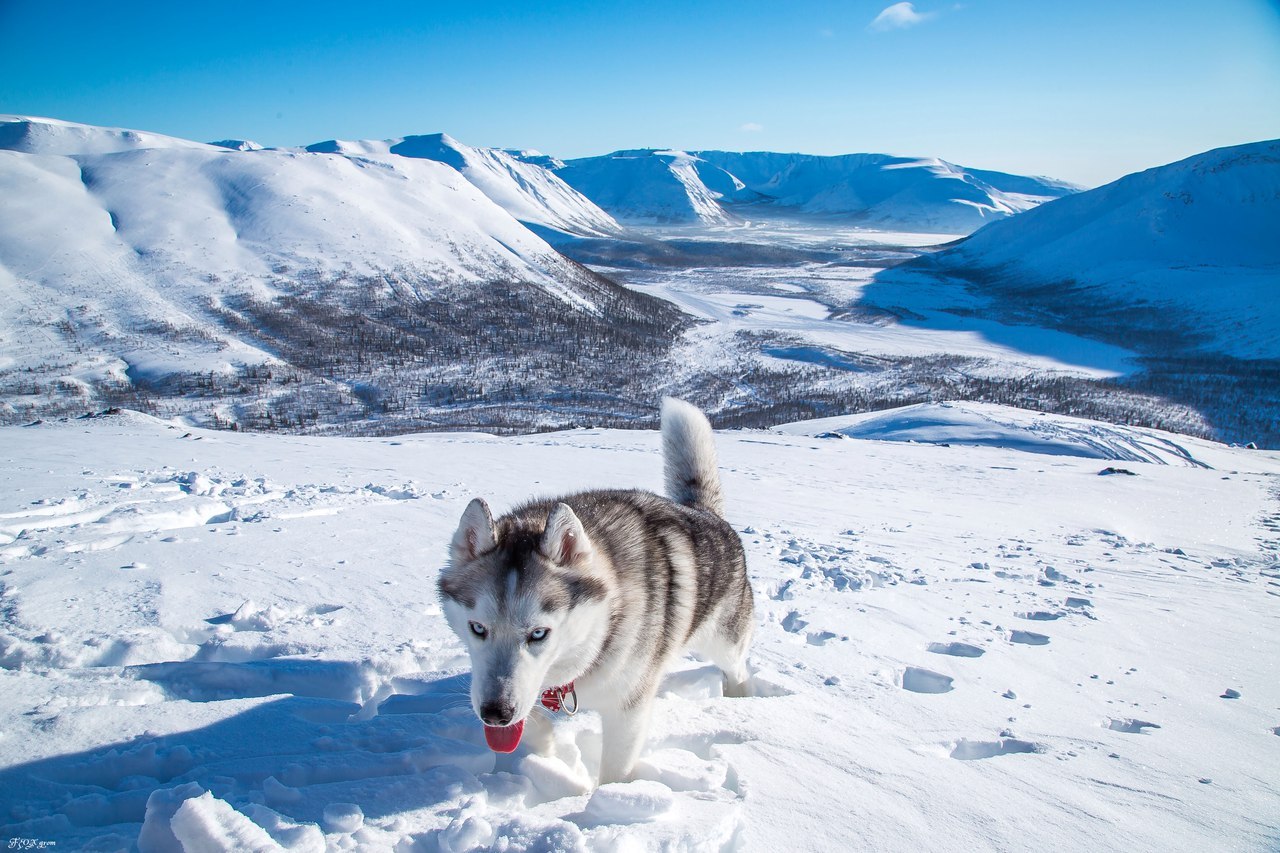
(538, 634)
(479, 630)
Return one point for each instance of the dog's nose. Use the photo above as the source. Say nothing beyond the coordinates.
(497, 713)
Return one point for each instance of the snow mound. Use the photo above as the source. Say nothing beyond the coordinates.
(238, 144)
(990, 425)
(1190, 245)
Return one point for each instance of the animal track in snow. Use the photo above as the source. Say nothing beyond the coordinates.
(793, 624)
(155, 502)
(919, 680)
(1130, 726)
(1028, 638)
(840, 567)
(1040, 615)
(957, 650)
(975, 750)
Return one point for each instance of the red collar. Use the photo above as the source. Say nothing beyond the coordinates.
(554, 699)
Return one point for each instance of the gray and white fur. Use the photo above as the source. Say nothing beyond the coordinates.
(604, 589)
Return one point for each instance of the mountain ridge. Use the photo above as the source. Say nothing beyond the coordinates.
(655, 186)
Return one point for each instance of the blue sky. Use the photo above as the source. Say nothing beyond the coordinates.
(1081, 90)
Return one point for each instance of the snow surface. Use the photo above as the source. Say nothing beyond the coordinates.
(875, 190)
(524, 188)
(228, 641)
(797, 302)
(987, 425)
(34, 135)
(1197, 240)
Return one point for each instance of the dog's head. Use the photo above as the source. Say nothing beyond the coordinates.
(529, 603)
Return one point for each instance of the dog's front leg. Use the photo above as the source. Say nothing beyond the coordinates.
(622, 733)
(539, 735)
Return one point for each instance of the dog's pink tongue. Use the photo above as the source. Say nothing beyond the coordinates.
(504, 738)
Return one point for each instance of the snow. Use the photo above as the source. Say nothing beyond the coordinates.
(988, 425)
(519, 185)
(1194, 240)
(874, 190)
(798, 302)
(647, 186)
(35, 135)
(232, 641)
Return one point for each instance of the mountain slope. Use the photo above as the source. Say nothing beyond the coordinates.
(191, 270)
(1182, 254)
(654, 187)
(32, 135)
(881, 190)
(528, 191)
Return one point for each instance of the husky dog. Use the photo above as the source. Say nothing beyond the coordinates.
(595, 594)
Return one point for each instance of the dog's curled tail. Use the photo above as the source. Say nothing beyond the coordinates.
(689, 457)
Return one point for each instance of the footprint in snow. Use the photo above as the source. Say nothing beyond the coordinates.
(957, 650)
(1130, 726)
(919, 680)
(1041, 615)
(793, 624)
(975, 750)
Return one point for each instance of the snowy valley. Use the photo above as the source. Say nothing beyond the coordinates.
(378, 287)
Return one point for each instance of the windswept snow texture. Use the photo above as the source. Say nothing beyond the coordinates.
(873, 190)
(1188, 248)
(987, 425)
(515, 182)
(217, 641)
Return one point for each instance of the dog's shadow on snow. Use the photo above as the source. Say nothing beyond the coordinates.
(419, 751)
(412, 744)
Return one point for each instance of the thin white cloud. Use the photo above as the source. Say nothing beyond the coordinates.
(899, 16)
(751, 127)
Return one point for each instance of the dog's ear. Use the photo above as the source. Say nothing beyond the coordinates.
(475, 533)
(565, 542)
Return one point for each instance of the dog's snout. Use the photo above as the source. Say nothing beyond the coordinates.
(497, 713)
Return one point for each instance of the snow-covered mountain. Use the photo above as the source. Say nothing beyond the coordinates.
(1189, 252)
(31, 135)
(655, 187)
(875, 190)
(515, 181)
(128, 257)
